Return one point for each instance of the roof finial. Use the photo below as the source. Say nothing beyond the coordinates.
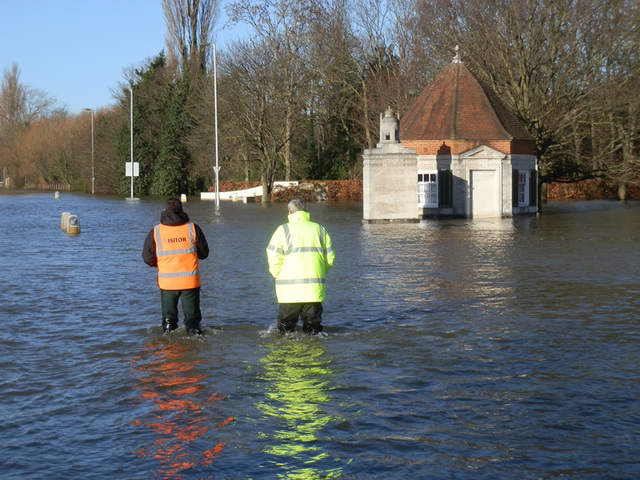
(457, 58)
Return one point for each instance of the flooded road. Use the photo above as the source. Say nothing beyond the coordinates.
(488, 349)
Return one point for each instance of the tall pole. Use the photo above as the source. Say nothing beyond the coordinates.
(216, 169)
(93, 168)
(131, 115)
(93, 163)
(215, 109)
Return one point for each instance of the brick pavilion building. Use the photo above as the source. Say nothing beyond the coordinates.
(457, 152)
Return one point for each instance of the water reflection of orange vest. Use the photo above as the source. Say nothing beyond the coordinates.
(177, 257)
(179, 411)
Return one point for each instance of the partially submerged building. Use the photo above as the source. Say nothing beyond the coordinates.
(457, 152)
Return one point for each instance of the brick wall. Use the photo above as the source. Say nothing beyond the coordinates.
(456, 147)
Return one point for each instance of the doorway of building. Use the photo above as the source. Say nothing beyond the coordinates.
(484, 194)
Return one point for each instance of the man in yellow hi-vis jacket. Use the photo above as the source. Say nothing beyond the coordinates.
(300, 254)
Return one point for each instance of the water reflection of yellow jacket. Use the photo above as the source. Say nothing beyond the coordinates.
(300, 254)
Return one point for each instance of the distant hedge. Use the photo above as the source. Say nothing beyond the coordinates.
(589, 190)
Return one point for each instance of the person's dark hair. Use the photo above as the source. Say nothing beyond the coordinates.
(174, 205)
(296, 204)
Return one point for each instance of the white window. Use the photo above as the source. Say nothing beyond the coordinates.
(523, 188)
(428, 189)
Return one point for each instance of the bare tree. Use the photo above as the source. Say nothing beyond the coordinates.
(544, 58)
(614, 125)
(371, 54)
(190, 26)
(12, 97)
(355, 60)
(20, 104)
(253, 101)
(283, 27)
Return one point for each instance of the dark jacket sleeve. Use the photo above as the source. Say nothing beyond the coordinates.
(149, 250)
(201, 244)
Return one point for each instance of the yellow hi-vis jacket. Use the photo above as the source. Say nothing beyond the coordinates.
(300, 254)
(177, 257)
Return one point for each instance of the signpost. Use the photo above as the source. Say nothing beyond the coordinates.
(129, 173)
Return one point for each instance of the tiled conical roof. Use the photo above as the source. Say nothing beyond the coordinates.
(459, 106)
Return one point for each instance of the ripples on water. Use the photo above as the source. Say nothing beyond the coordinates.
(456, 349)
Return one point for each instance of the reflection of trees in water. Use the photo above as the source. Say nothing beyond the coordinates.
(173, 383)
(297, 377)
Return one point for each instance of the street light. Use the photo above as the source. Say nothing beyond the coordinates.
(216, 169)
(93, 169)
(131, 132)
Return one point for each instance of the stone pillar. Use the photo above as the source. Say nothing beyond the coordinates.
(390, 177)
(390, 184)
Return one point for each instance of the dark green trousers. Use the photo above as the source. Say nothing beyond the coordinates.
(190, 300)
(309, 313)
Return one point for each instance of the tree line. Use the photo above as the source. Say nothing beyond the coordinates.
(299, 97)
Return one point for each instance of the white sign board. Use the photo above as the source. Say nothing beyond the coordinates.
(136, 169)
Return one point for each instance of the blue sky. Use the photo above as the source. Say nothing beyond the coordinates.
(76, 50)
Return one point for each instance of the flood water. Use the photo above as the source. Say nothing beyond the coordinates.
(494, 349)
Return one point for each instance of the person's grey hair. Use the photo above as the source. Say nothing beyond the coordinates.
(296, 204)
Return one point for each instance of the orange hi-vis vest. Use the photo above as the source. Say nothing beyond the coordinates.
(177, 257)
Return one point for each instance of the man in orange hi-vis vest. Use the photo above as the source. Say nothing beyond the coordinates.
(175, 246)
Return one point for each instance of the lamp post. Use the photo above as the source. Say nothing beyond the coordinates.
(93, 169)
(216, 169)
(131, 132)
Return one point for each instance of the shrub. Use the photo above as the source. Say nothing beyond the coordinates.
(321, 190)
